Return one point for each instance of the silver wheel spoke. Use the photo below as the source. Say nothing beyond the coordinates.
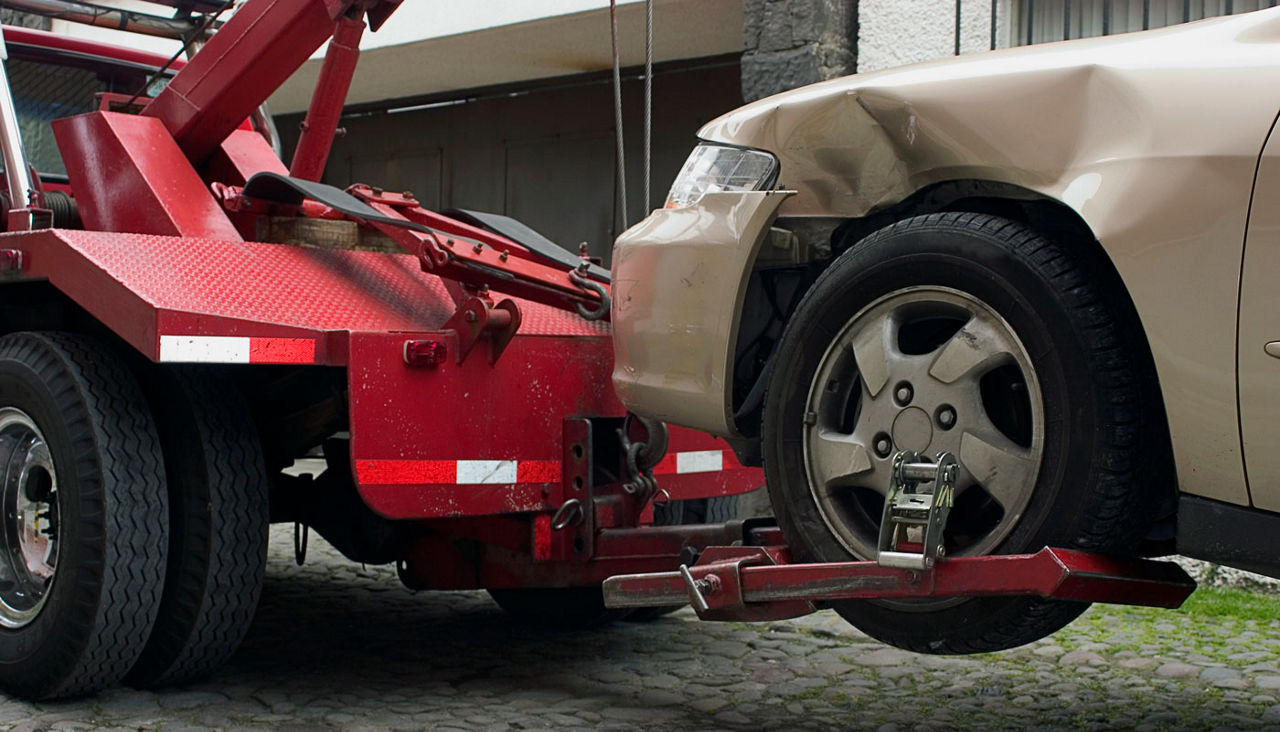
(29, 492)
(1004, 469)
(976, 348)
(872, 347)
(837, 458)
(894, 379)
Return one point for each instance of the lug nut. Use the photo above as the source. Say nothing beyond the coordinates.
(903, 393)
(946, 417)
(883, 445)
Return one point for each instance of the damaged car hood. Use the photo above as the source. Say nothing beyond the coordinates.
(1069, 120)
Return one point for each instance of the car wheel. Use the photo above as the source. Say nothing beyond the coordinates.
(218, 497)
(975, 335)
(84, 520)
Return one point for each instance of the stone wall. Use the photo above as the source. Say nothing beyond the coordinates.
(26, 20)
(790, 43)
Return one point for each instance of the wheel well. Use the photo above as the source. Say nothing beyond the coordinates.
(1047, 216)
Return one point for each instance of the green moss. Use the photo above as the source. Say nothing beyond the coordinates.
(1229, 602)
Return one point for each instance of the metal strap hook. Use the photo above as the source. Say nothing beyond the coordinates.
(605, 301)
(569, 513)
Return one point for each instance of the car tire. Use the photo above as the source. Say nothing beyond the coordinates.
(219, 512)
(80, 451)
(1015, 341)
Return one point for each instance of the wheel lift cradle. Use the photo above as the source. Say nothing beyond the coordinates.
(755, 579)
(195, 286)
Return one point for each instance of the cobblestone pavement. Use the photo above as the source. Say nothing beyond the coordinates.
(339, 646)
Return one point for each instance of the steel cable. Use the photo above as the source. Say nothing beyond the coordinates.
(617, 111)
(648, 102)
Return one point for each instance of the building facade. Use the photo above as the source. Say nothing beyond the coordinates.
(509, 106)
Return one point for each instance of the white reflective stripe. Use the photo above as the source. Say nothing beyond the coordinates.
(204, 349)
(704, 461)
(486, 471)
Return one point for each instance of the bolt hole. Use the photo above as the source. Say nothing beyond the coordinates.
(578, 546)
(577, 451)
(577, 482)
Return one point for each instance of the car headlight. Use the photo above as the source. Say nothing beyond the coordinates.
(715, 168)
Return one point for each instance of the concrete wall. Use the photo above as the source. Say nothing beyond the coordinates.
(790, 43)
(896, 32)
(14, 17)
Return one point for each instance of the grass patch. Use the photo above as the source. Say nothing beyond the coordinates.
(1231, 602)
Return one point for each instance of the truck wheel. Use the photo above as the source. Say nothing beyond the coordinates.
(558, 607)
(714, 510)
(975, 335)
(218, 512)
(85, 516)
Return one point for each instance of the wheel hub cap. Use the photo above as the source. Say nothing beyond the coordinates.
(29, 500)
(912, 430)
(927, 369)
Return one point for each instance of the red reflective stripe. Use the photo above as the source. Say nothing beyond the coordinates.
(538, 471)
(406, 472)
(542, 536)
(666, 466)
(282, 350)
(422, 472)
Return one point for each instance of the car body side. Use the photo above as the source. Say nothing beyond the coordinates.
(1151, 141)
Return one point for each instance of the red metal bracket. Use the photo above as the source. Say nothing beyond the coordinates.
(715, 585)
(753, 590)
(11, 260)
(573, 525)
(28, 219)
(477, 317)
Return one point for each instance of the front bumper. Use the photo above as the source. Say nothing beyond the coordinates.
(679, 278)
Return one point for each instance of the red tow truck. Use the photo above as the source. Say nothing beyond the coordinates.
(184, 316)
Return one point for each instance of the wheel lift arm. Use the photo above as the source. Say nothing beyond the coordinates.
(758, 581)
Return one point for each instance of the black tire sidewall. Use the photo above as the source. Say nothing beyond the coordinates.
(48, 647)
(1009, 270)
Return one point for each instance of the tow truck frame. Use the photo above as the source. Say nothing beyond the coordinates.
(493, 487)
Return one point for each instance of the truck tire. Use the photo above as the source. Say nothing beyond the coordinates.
(557, 607)
(714, 510)
(218, 511)
(80, 454)
(976, 335)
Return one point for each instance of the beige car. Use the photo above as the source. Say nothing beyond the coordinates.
(1058, 263)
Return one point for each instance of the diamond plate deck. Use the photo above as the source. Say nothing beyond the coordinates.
(143, 286)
